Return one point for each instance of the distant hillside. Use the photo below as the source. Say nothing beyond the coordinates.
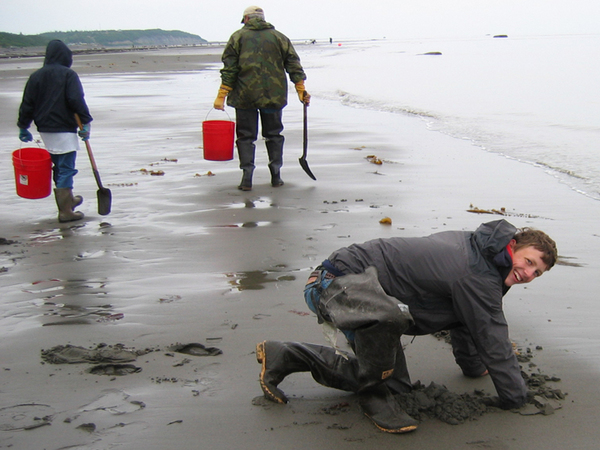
(21, 40)
(107, 38)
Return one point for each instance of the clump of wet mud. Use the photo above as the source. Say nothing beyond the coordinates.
(111, 358)
(437, 402)
(196, 349)
(102, 353)
(114, 369)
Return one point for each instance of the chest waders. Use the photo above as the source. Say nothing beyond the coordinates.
(356, 303)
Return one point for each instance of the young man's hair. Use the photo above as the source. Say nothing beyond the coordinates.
(539, 240)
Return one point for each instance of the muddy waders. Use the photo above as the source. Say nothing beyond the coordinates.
(279, 359)
(358, 303)
(66, 203)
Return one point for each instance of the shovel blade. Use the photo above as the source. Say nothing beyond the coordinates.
(104, 201)
(304, 165)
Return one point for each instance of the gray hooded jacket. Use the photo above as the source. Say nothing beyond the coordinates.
(452, 279)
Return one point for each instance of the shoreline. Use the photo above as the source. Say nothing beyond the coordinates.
(32, 52)
(187, 258)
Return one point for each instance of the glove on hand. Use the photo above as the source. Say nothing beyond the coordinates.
(84, 133)
(220, 100)
(25, 135)
(302, 94)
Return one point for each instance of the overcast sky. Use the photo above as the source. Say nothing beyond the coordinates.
(215, 20)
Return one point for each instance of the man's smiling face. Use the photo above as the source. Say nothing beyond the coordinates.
(527, 266)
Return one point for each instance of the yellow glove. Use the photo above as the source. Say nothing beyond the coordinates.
(302, 94)
(220, 100)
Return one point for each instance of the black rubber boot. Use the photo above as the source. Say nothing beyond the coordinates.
(276, 180)
(379, 405)
(272, 128)
(246, 150)
(399, 382)
(279, 359)
(246, 183)
(275, 151)
(66, 203)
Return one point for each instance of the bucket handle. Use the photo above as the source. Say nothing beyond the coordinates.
(212, 109)
(21, 149)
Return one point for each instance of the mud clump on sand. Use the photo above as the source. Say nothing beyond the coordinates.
(437, 402)
(102, 353)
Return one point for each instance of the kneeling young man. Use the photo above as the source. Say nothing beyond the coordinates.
(379, 290)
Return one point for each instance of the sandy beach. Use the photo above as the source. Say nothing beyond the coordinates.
(186, 258)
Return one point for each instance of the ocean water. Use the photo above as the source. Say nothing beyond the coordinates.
(531, 98)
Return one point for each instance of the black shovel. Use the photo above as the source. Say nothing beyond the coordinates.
(104, 194)
(302, 159)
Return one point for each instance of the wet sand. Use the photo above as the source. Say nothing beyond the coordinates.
(186, 258)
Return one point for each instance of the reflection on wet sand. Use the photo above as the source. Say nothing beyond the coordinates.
(64, 302)
(254, 279)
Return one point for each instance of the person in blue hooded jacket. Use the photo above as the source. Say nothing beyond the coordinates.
(52, 97)
(379, 290)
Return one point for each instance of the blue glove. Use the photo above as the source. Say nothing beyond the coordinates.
(25, 135)
(84, 133)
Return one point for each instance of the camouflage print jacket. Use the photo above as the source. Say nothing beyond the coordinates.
(255, 62)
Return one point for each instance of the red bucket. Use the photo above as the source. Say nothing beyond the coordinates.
(217, 139)
(33, 172)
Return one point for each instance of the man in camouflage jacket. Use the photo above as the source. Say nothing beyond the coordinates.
(253, 80)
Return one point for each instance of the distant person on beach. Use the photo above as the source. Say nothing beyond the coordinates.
(379, 290)
(52, 96)
(253, 79)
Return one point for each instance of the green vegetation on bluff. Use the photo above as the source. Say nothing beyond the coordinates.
(108, 38)
(21, 40)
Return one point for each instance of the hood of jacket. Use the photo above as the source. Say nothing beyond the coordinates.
(492, 238)
(258, 24)
(57, 52)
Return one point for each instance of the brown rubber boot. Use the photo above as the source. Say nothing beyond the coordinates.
(66, 203)
(76, 200)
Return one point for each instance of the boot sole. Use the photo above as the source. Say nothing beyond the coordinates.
(261, 357)
(71, 218)
(401, 430)
(406, 429)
